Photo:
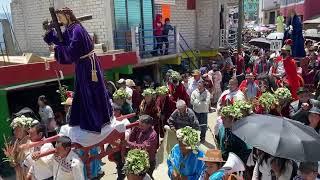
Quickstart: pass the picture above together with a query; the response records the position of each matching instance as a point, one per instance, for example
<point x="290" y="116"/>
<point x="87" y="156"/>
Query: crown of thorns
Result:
<point x="64" y="10"/>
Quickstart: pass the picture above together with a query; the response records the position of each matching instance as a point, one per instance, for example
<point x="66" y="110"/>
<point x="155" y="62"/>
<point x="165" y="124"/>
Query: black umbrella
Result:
<point x="260" y="42"/>
<point x="279" y="137"/>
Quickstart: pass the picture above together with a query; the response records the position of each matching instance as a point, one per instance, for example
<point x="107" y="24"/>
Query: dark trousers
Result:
<point x="120" y="164"/>
<point x="152" y="168"/>
<point x="166" y="42"/>
<point x="203" y="121"/>
<point x="158" y="45"/>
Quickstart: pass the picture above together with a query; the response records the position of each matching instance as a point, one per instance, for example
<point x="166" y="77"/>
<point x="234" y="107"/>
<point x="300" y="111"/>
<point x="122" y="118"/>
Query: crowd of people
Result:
<point x="237" y="84"/>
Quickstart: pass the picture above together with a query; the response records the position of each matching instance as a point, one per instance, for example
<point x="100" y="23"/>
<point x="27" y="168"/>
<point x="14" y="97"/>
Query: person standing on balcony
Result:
<point x="157" y="32"/>
<point x="166" y="28"/>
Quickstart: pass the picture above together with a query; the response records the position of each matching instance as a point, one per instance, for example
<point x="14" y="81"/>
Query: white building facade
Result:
<point x="200" y="26"/>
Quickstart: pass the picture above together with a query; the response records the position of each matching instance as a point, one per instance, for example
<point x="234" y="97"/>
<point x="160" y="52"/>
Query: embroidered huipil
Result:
<point x="68" y="168"/>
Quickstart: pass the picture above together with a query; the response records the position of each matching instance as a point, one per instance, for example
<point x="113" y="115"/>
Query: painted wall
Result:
<point x="311" y="9"/>
<point x="185" y="21"/>
<point x="28" y="16"/>
<point x="251" y="10"/>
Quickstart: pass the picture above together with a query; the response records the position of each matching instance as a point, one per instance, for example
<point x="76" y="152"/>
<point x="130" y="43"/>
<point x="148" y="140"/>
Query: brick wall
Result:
<point x="208" y="22"/>
<point x="199" y="27"/>
<point x="185" y="21"/>
<point x="29" y="15"/>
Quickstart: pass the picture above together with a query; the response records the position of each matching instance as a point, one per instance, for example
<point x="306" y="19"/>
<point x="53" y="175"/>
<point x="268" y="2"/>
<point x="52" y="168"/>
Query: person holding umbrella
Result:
<point x="283" y="169"/>
<point x="299" y="109"/>
<point x="308" y="171"/>
<point x="314" y="118"/>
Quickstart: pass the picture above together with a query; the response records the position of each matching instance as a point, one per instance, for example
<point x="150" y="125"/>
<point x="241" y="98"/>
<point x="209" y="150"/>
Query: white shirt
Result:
<point x="68" y="168"/>
<point x="130" y="92"/>
<point x="125" y="122"/>
<point x="192" y="85"/>
<point x="46" y="113"/>
<point x="235" y="96"/>
<point x="280" y="68"/>
<point x="264" y="169"/>
<point x="200" y="101"/>
<point x="41" y="168"/>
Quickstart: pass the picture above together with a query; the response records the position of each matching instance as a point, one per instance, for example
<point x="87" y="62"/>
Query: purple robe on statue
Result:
<point x="91" y="107"/>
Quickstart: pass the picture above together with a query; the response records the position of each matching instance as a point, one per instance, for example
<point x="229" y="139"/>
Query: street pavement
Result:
<point x="161" y="171"/>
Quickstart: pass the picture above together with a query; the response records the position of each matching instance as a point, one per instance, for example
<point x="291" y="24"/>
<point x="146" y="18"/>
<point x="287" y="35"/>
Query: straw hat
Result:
<point x="121" y="81"/>
<point x="196" y="73"/>
<point x="130" y="83"/>
<point x="68" y="101"/>
<point x="212" y="155"/>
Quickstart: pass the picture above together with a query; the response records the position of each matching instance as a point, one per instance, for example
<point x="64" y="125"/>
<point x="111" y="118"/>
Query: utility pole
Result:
<point x="240" y="24"/>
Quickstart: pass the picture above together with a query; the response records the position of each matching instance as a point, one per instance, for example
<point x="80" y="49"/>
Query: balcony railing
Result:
<point x="228" y="38"/>
<point x="145" y="43"/>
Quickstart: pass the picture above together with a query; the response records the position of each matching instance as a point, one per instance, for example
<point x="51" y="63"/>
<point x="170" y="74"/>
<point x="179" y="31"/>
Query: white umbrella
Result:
<point x="275" y="36"/>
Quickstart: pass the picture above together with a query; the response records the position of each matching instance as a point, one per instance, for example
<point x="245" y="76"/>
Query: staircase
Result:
<point x="189" y="58"/>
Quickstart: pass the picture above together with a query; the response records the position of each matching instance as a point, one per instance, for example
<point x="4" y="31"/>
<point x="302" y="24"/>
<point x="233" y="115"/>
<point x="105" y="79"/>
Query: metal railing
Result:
<point x="145" y="43"/>
<point x="187" y="50"/>
<point x="227" y="38"/>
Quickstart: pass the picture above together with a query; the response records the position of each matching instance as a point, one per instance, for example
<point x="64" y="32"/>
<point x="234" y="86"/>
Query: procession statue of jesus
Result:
<point x="91" y="107"/>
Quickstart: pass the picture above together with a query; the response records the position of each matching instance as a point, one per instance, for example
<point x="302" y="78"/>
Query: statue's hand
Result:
<point x="47" y="25"/>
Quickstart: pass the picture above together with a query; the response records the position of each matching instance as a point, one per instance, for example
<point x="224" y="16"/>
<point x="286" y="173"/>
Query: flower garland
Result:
<point x="238" y="110"/>
<point x="162" y="90"/>
<point x="267" y="101"/>
<point x="22" y="121"/>
<point x="137" y="162"/>
<point x="149" y="92"/>
<point x="243" y="106"/>
<point x="189" y="137"/>
<point x="283" y="95"/>
<point x="231" y="111"/>
<point x="175" y="76"/>
<point x="120" y="94"/>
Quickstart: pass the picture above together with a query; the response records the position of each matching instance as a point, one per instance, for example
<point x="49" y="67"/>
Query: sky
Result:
<point x="5" y="4"/>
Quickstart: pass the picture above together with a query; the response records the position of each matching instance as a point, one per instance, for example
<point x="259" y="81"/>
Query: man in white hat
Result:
<point x="182" y="117"/>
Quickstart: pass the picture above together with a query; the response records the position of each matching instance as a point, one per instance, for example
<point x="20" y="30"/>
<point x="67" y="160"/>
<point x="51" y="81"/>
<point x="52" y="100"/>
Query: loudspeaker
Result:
<point x="234" y="164"/>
